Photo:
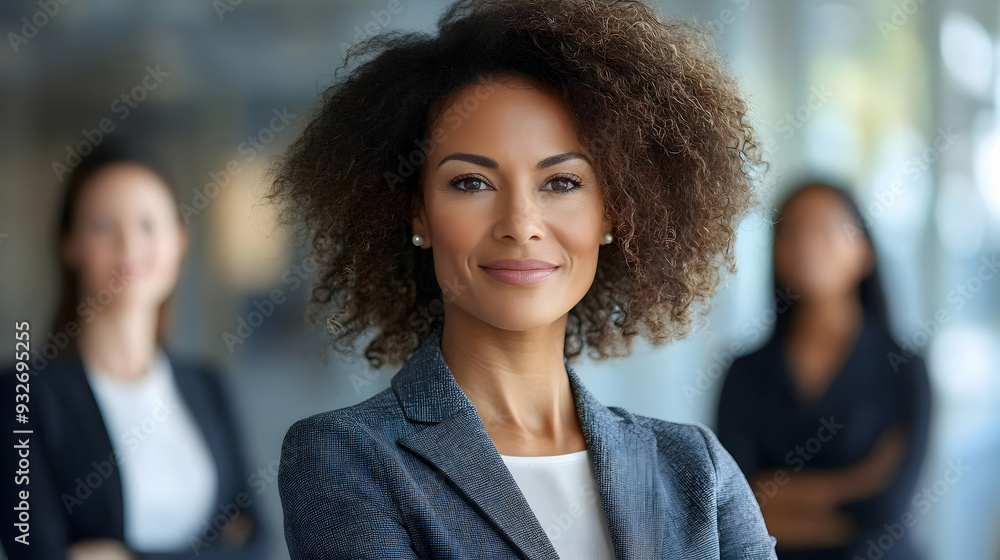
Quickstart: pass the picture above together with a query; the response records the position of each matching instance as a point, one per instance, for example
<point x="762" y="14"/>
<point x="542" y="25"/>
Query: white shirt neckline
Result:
<point x="168" y="473"/>
<point x="547" y="459"/>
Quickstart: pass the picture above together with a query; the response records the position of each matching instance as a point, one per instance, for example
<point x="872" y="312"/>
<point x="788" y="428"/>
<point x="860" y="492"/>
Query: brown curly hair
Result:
<point x="674" y="148"/>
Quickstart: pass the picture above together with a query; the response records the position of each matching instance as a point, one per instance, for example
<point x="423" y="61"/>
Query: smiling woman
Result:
<point x="582" y="169"/>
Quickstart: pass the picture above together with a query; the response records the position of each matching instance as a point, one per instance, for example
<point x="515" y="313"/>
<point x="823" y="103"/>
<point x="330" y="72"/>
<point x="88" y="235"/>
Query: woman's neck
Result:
<point x="120" y="341"/>
<point x="827" y="316"/>
<point x="518" y="383"/>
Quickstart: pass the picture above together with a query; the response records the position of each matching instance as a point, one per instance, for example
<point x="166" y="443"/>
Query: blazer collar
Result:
<point x="622" y="454"/>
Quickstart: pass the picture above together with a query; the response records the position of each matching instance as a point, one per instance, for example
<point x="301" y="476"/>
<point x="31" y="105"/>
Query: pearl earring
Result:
<point x="417" y="240"/>
<point x="608" y="238"/>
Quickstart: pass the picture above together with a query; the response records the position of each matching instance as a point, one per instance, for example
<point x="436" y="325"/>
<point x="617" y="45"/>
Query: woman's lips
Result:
<point x="519" y="277"/>
<point x="519" y="271"/>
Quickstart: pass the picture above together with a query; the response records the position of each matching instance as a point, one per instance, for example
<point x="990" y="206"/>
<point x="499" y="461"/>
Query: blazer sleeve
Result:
<point x="742" y="532"/>
<point x="333" y="495"/>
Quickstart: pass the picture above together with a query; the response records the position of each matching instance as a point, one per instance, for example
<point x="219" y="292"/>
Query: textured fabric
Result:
<point x="412" y="473"/>
<point x="169" y="480"/>
<point x="562" y="492"/>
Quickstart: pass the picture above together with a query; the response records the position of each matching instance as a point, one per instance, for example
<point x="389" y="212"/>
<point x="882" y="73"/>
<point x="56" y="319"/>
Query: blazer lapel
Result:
<point x="623" y="455"/>
<point x="81" y="405"/>
<point x="200" y="404"/>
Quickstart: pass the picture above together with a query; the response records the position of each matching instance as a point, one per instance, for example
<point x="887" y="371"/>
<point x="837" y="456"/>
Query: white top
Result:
<point x="168" y="473"/>
<point x="562" y="492"/>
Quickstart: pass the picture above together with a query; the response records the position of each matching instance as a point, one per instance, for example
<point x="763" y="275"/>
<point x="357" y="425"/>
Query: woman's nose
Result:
<point x="521" y="216"/>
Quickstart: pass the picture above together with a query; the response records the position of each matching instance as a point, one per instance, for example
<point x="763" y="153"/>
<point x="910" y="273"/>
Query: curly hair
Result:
<point x="675" y="153"/>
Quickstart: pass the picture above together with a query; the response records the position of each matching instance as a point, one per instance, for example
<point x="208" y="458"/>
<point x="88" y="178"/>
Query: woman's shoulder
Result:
<point x="685" y="443"/>
<point x="376" y="420"/>
<point x="47" y="379"/>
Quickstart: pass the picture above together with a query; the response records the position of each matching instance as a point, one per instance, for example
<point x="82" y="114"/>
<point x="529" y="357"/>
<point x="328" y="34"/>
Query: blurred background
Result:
<point x="899" y="98"/>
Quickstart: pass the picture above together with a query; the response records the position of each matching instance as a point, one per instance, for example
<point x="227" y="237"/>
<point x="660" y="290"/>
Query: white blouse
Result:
<point x="562" y="492"/>
<point x="168" y="473"/>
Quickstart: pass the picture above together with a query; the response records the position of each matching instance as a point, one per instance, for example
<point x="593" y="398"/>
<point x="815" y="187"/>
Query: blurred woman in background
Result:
<point x="134" y="452"/>
<point x="829" y="419"/>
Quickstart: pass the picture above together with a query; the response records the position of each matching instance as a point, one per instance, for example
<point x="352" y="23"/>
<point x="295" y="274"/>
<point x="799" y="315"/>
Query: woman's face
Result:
<point x="507" y="178"/>
<point x="819" y="250"/>
<point x="126" y="241"/>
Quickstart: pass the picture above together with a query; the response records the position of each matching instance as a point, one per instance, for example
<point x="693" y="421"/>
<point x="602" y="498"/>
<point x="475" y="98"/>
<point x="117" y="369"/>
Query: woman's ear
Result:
<point x="606" y="226"/>
<point x="418" y="222"/>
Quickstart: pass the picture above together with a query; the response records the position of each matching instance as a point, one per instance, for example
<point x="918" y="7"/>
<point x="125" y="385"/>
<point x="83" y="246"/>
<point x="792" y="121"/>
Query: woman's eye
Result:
<point x="472" y="184"/>
<point x="475" y="184"/>
<point x="563" y="184"/>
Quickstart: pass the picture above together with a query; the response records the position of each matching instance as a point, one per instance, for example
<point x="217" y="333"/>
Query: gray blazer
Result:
<point x="412" y="473"/>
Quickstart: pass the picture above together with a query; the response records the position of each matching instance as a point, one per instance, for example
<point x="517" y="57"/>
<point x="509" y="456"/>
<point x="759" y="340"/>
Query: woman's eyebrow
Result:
<point x="488" y="162"/>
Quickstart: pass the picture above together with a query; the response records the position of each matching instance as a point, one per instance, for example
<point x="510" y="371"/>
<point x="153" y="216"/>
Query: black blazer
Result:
<point x="74" y="485"/>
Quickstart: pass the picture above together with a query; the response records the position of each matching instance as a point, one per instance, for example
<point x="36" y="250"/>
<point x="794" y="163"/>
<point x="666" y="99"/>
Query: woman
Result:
<point x="829" y="419"/>
<point x="537" y="177"/>
<point x="134" y="452"/>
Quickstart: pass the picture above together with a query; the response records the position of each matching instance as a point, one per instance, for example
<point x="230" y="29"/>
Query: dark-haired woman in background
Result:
<point x="829" y="419"/>
<point x="134" y="452"/>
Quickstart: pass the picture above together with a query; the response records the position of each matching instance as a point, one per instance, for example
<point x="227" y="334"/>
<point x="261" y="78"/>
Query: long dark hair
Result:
<point x="124" y="149"/>
<point x="870" y="288"/>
